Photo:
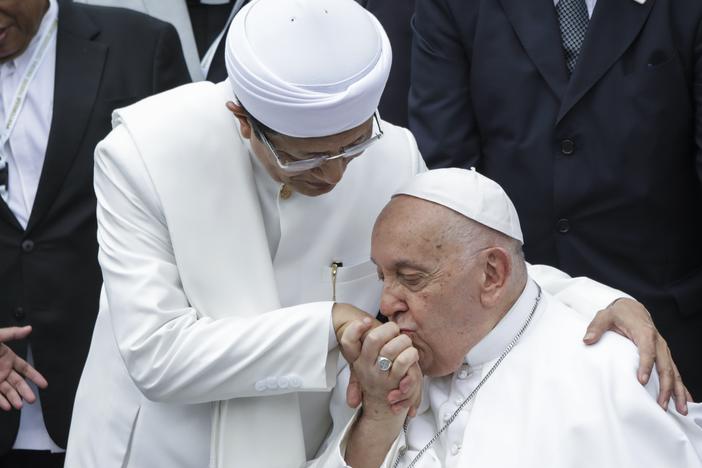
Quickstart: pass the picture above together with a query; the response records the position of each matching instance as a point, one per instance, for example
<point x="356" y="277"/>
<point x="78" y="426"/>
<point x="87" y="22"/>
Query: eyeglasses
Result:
<point x="290" y="164"/>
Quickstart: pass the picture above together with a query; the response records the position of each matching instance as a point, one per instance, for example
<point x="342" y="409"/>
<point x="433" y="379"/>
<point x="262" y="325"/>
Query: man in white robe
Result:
<point x="229" y="243"/>
<point x="507" y="382"/>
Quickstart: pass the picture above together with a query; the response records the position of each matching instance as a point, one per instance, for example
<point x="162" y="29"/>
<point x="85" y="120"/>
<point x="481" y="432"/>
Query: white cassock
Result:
<point x="552" y="402"/>
<point x="219" y="289"/>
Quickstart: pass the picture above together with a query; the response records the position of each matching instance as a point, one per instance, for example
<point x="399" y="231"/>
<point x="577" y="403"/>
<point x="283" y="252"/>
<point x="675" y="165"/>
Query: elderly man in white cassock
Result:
<point x="234" y="223"/>
<point x="508" y="384"/>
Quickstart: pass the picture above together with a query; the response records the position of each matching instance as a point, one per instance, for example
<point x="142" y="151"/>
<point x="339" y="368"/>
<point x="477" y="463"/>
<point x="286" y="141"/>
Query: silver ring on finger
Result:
<point x="384" y="364"/>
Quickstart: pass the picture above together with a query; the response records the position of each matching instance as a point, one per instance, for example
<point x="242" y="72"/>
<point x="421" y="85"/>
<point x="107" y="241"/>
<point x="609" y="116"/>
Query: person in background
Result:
<point x="588" y="114"/>
<point x="64" y="67"/>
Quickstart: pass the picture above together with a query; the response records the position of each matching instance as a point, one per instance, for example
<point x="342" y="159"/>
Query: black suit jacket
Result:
<point x="49" y="275"/>
<point x="395" y="16"/>
<point x="605" y="167"/>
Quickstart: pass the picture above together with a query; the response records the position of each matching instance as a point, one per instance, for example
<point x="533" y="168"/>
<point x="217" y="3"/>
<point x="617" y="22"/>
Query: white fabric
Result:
<point x="25" y="152"/>
<point x="469" y="193"/>
<point x="172" y="339"/>
<point x="551" y="402"/>
<point x="27" y="145"/>
<point x="273" y="56"/>
<point x="591" y="5"/>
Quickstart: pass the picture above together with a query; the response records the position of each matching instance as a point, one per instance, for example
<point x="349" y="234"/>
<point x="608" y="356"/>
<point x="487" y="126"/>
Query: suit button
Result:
<point x="567" y="147"/>
<point x="563" y="226"/>
<point x="19" y="314"/>
<point x="27" y="245"/>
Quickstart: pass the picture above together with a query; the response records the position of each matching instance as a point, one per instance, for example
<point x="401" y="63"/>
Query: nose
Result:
<point x="391" y="304"/>
<point x="332" y="171"/>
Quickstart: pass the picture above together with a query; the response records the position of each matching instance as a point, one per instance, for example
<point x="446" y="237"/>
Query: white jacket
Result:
<point x="195" y="311"/>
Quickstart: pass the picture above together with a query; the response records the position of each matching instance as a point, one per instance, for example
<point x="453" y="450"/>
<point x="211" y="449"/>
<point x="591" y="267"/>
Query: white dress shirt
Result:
<point x="25" y="152"/>
<point x="27" y="144"/>
<point x="590" y="5"/>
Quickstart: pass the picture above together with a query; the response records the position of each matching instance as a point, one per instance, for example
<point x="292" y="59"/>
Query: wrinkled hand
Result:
<point x="13" y="388"/>
<point x="631" y="319"/>
<point x="397" y="390"/>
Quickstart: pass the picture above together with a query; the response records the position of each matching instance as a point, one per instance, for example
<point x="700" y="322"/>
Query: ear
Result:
<point x="241" y="116"/>
<point x="497" y="270"/>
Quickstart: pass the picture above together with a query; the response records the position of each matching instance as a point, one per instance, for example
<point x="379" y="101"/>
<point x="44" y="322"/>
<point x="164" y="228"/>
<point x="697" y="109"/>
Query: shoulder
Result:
<point x="112" y="25"/>
<point x="116" y="17"/>
<point x="559" y="332"/>
<point x="392" y="160"/>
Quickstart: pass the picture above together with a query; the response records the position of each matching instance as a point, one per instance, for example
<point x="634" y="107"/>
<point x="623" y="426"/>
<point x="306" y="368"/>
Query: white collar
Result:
<point x="495" y="342"/>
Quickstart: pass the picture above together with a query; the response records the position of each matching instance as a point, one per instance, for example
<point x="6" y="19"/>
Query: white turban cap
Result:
<point x="308" y="68"/>
<point x="471" y="194"/>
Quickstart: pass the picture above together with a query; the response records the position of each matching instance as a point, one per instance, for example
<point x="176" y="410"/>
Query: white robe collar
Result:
<point x="495" y="342"/>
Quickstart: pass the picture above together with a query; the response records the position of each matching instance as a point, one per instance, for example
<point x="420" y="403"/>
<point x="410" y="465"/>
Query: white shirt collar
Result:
<point x="496" y="341"/>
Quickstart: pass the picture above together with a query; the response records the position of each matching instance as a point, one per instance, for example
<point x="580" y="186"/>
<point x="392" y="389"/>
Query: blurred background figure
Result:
<point x="588" y="114"/>
<point x="63" y="68"/>
<point x="200" y="23"/>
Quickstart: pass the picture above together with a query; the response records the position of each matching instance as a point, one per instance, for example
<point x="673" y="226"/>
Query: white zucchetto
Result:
<point x="308" y="68"/>
<point x="468" y="193"/>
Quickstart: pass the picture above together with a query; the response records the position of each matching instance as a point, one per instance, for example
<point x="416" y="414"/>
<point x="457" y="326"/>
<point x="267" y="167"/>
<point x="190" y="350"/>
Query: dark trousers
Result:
<point x="32" y="459"/>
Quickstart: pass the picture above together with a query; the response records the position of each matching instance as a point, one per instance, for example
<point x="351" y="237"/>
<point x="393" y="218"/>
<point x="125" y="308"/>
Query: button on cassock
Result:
<point x="285" y="192"/>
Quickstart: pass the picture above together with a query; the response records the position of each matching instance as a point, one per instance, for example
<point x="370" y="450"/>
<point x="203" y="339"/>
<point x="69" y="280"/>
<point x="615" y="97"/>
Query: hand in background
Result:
<point x="13" y="371"/>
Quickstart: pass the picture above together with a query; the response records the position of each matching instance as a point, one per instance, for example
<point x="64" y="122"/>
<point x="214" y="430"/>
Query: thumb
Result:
<point x="354" y="394"/>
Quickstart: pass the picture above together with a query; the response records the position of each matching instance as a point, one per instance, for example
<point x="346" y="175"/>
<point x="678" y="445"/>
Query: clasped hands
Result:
<point x="394" y="393"/>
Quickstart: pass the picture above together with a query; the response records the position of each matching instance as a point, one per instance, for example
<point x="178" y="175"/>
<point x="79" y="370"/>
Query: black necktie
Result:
<point x="573" y="19"/>
<point x="4" y="176"/>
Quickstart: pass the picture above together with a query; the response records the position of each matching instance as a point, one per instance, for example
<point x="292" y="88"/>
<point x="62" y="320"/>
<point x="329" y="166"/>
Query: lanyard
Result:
<point x="20" y="97"/>
<point x="209" y="55"/>
<point x="23" y="89"/>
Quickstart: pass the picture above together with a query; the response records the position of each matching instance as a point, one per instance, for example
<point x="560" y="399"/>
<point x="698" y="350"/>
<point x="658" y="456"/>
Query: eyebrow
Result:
<point x="404" y="263"/>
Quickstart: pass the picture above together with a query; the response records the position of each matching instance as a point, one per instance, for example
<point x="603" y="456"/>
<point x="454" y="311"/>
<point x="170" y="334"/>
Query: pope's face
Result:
<point x="429" y="289"/>
<point x="317" y="181"/>
<point x="19" y="22"/>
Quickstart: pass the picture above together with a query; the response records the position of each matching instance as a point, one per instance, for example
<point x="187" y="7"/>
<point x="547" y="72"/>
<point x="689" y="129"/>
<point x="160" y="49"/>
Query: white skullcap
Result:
<point x="308" y="68"/>
<point x="471" y="194"/>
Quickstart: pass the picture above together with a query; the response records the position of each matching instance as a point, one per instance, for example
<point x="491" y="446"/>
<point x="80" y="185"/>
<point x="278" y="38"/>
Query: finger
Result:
<point x="680" y="393"/>
<point x="602" y="322"/>
<point x="354" y="394"/>
<point x="21" y="387"/>
<point x="11" y="395"/>
<point x="664" y="365"/>
<point x="14" y="333"/>
<point x="376" y="339"/>
<point x="24" y="369"/>
<point x="648" y="354"/>
<point x="395" y="346"/>
<point x="351" y="338"/>
<point x="4" y="404"/>
<point x="402" y="364"/>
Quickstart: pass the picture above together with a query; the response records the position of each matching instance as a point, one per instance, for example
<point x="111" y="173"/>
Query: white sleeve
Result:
<point x="172" y="352"/>
<point x="335" y="448"/>
<point x="582" y="294"/>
